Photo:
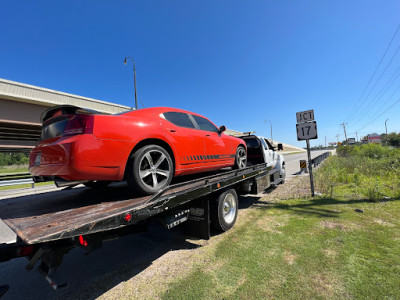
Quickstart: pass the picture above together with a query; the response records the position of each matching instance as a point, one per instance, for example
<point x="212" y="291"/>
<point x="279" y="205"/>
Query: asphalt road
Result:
<point x="293" y="161"/>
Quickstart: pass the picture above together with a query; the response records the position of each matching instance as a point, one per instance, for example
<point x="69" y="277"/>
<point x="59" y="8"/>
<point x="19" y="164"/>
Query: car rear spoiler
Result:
<point x="66" y="109"/>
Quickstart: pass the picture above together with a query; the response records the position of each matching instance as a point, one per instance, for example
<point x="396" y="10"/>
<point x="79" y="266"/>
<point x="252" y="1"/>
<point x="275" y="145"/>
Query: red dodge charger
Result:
<point x="146" y="147"/>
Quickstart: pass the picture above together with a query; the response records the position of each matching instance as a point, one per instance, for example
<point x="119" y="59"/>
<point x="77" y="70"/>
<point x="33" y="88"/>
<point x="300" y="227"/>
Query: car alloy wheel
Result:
<point x="152" y="169"/>
<point x="240" y="158"/>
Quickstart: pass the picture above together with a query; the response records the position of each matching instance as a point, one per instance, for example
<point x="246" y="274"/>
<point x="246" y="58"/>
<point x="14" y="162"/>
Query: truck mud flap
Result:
<point x="198" y="223"/>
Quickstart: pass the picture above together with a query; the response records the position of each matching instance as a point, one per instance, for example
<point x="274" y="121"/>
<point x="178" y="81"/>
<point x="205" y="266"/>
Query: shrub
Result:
<point x="372" y="170"/>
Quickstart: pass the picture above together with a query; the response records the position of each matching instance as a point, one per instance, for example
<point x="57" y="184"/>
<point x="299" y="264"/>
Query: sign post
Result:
<point x="307" y="130"/>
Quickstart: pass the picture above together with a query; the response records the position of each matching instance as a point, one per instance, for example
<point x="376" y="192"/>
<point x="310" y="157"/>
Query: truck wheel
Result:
<point x="97" y="184"/>
<point x="283" y="175"/>
<point x="152" y="170"/>
<point x="224" y="211"/>
<point x="240" y="158"/>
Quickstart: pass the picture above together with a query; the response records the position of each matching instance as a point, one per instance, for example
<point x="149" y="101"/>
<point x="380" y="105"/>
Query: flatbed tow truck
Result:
<point x="44" y="229"/>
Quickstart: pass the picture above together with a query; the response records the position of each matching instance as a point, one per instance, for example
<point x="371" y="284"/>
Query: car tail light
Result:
<point x="79" y="124"/>
<point x="82" y="241"/>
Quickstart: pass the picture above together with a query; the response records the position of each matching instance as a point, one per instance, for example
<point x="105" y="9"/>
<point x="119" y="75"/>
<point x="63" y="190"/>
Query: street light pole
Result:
<point x="272" y="141"/>
<point x="134" y="76"/>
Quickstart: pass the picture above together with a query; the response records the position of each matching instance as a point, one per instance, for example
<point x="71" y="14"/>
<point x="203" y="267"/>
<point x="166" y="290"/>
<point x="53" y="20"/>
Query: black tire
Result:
<point x="97" y="184"/>
<point x="147" y="177"/>
<point x="240" y="158"/>
<point x="283" y="177"/>
<point x="224" y="210"/>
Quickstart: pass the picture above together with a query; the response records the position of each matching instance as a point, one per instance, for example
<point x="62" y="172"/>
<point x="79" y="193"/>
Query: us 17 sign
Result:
<point x="307" y="131"/>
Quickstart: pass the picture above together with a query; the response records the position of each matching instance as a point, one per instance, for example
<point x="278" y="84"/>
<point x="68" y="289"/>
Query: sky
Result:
<point x="239" y="63"/>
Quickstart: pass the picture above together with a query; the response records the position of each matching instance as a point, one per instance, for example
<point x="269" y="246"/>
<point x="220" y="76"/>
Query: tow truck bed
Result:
<point x="68" y="213"/>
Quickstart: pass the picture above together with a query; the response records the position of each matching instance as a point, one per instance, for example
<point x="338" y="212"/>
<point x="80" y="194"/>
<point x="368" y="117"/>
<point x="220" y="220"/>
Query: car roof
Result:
<point x="158" y="110"/>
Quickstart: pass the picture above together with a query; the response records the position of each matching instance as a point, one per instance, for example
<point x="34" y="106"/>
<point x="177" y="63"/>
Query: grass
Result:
<point x="369" y="171"/>
<point x="25" y="186"/>
<point x="16" y="169"/>
<point x="19" y="169"/>
<point x="300" y="249"/>
<point x="311" y="248"/>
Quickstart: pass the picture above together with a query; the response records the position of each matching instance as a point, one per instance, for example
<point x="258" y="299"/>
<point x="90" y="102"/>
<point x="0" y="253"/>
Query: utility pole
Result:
<point x="344" y="128"/>
<point x="386" y="126"/>
<point x="325" y="141"/>
<point x="386" y="137"/>
<point x="337" y="138"/>
<point x="357" y="136"/>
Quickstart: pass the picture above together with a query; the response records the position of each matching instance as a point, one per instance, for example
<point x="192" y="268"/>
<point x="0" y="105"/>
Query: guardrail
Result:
<point x="16" y="179"/>
<point x="317" y="160"/>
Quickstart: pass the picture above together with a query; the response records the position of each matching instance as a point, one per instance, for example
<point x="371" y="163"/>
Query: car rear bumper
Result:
<point x="81" y="157"/>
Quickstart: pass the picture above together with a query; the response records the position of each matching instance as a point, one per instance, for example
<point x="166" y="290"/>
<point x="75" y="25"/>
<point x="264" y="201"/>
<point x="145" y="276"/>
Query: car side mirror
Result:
<point x="221" y="129"/>
<point x="280" y="147"/>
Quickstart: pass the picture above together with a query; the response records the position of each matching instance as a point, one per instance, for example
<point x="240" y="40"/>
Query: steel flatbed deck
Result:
<point x="68" y="213"/>
<point x="47" y="226"/>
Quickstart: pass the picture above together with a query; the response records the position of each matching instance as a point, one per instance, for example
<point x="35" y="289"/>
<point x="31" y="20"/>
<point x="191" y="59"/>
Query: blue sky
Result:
<point x="236" y="62"/>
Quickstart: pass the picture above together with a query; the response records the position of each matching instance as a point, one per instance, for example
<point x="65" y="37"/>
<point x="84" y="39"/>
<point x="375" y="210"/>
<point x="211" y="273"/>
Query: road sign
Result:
<point x="303" y="165"/>
<point x="374" y="138"/>
<point x="305" y="116"/>
<point x="307" y="131"/>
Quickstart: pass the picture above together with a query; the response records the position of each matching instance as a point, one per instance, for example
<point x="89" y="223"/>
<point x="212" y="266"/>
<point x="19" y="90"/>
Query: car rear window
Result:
<point x="179" y="119"/>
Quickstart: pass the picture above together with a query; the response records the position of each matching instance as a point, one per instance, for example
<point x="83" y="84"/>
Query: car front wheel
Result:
<point x="152" y="170"/>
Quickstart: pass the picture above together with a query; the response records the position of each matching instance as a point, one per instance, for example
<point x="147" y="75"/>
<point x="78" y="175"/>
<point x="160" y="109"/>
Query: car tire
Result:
<point x="240" y="158"/>
<point x="96" y="184"/>
<point x="151" y="171"/>
<point x="224" y="210"/>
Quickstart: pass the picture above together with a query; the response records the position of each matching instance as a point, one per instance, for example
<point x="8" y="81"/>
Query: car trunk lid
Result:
<point x="66" y="120"/>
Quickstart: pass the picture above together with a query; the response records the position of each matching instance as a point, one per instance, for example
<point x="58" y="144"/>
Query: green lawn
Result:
<point x="313" y="248"/>
<point x="299" y="249"/>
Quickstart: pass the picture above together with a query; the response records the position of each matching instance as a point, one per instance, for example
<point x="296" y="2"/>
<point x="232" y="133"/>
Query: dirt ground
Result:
<point x="153" y="281"/>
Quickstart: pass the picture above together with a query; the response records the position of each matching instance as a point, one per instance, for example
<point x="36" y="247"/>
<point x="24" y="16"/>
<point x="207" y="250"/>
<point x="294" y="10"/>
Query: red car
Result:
<point x="146" y="147"/>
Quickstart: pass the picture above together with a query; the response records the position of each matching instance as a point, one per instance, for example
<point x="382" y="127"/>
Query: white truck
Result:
<point x="260" y="150"/>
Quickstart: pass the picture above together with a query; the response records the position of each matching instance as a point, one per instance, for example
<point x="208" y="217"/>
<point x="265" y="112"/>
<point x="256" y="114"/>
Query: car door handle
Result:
<point x="171" y="130"/>
<point x="207" y="134"/>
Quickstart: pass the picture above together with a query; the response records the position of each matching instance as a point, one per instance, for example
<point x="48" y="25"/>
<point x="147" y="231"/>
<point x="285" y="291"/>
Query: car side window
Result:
<point x="204" y="124"/>
<point x="179" y="119"/>
<point x="264" y="144"/>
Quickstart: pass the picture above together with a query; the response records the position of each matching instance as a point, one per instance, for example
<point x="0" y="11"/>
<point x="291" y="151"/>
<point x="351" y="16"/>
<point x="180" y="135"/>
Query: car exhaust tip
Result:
<point x="67" y="183"/>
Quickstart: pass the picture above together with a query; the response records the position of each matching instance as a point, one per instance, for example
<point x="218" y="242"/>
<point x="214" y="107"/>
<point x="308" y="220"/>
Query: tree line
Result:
<point x="9" y="159"/>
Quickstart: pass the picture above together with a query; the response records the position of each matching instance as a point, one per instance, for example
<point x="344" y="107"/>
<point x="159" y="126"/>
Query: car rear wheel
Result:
<point x="152" y="170"/>
<point x="240" y="158"/>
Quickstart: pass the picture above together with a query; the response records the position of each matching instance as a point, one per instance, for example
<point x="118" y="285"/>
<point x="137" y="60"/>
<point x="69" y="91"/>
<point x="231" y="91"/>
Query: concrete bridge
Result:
<point x="20" y="108"/>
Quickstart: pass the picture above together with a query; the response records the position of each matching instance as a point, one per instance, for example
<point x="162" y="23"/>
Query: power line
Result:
<point x="398" y="100"/>
<point x="373" y="74"/>
<point x="378" y="80"/>
<point x="383" y="105"/>
<point x="382" y="91"/>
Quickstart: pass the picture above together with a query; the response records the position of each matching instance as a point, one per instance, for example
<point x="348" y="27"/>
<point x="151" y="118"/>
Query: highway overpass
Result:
<point x="20" y="108"/>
